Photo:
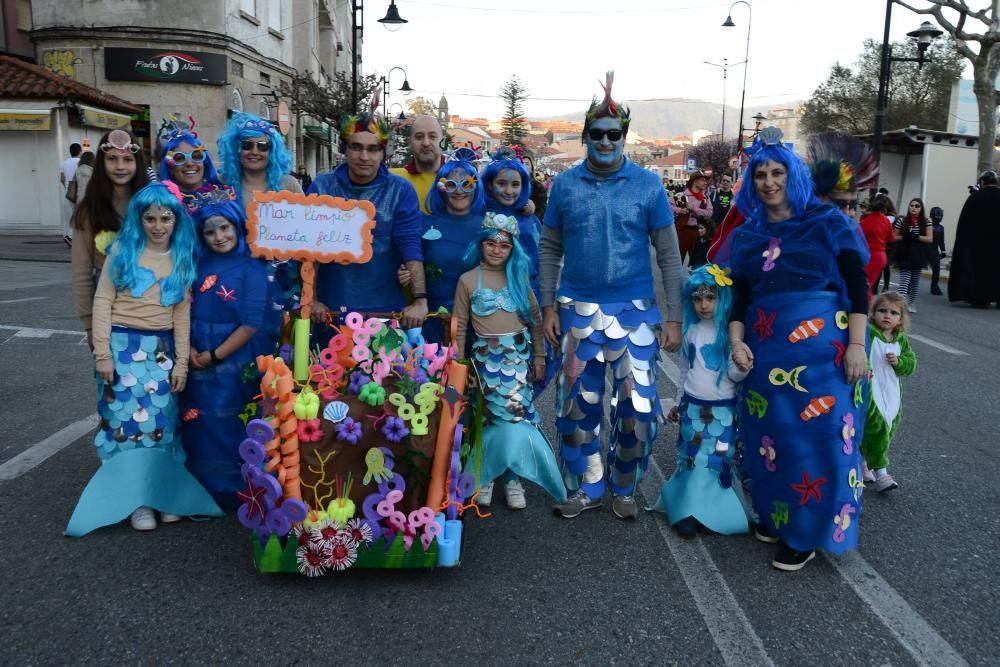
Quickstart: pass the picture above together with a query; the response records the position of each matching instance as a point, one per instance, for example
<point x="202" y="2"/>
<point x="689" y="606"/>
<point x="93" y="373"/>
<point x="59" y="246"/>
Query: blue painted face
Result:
<point x="604" y="152"/>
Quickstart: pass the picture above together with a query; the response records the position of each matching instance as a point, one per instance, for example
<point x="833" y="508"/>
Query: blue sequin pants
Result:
<point x="622" y="335"/>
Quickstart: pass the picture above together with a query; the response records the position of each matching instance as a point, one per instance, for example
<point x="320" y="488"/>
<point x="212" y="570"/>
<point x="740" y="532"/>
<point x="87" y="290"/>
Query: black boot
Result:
<point x="935" y="290"/>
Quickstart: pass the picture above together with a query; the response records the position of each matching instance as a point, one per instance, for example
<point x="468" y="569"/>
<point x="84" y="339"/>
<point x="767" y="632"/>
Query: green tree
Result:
<point x="328" y="101"/>
<point x="514" y="125"/>
<point x="917" y="96"/>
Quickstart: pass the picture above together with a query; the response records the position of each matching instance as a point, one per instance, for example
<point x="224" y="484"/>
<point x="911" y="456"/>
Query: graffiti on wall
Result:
<point x="62" y="62"/>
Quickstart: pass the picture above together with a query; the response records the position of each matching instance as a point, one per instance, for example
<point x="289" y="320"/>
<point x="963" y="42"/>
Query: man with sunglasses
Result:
<point x="601" y="218"/>
<point x="372" y="287"/>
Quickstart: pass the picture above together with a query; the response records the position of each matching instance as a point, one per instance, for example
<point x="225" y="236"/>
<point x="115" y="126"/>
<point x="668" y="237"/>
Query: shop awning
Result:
<point x="36" y="119"/>
<point x="318" y="133"/>
<point x="107" y="120"/>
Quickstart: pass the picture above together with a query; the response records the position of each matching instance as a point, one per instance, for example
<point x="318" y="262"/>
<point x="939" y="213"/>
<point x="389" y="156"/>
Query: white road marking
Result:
<point x="40" y="451"/>
<point x="725" y="619"/>
<point x="908" y="627"/>
<point x="32" y="332"/>
<point x="933" y="343"/>
<point x="28" y="298"/>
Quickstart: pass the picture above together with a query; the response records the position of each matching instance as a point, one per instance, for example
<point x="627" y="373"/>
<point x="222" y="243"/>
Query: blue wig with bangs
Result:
<point x="248" y="126"/>
<point x="518" y="265"/>
<point x="126" y="274"/>
<point x="173" y="135"/>
<point x="767" y="147"/>
<point x="437" y="201"/>
<point x="716" y="354"/>
<point x="506" y="160"/>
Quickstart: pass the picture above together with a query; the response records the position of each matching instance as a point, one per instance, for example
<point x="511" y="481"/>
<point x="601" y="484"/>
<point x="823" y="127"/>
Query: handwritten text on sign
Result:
<point x="287" y="225"/>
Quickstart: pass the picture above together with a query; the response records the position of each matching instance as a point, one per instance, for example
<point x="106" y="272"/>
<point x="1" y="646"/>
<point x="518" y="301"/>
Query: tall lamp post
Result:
<point x="728" y="23"/>
<point x="405" y="88"/>
<point x="924" y="35"/>
<point x="392" y="21"/>
<point x="725" y="68"/>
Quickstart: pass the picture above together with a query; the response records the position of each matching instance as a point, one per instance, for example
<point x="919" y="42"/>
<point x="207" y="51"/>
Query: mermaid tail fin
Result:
<point x="524" y="450"/>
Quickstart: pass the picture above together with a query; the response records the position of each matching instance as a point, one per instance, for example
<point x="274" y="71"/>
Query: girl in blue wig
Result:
<point x="799" y="328"/>
<point x="184" y="159"/>
<point x="141" y="346"/>
<point x="227" y="317"/>
<point x="704" y="492"/>
<point x="253" y="158"/>
<point x="507" y="184"/>
<point x="507" y="349"/>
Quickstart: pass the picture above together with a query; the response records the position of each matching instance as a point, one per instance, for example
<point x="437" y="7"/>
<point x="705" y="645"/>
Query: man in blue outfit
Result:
<point x="372" y="287"/>
<point x="601" y="218"/>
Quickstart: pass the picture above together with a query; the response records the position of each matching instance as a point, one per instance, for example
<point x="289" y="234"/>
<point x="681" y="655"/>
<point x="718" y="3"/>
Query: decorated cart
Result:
<point x="358" y="455"/>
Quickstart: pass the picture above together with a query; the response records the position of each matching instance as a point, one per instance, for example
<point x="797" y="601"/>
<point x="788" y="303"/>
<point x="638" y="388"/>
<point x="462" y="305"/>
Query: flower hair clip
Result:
<point x="721" y="275"/>
<point x="121" y="140"/>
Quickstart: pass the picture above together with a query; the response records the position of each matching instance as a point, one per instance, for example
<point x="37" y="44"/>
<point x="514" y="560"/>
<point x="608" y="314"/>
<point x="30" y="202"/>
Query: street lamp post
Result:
<point x="924" y="35"/>
<point x="728" y="23"/>
<point x="392" y="21"/>
<point x="725" y="68"/>
<point x="405" y="88"/>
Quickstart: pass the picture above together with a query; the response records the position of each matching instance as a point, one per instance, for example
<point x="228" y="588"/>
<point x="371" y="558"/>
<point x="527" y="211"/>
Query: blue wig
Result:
<point x="221" y="202"/>
<point x="174" y="139"/>
<point x="493" y="169"/>
<point x="798" y="186"/>
<point x="248" y="126"/>
<point x="131" y="242"/>
<point x="437" y="201"/>
<point x="716" y="355"/>
<point x="518" y="270"/>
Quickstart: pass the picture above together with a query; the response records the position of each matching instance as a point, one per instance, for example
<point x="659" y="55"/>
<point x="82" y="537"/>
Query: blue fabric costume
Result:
<point x="221" y="392"/>
<point x="372" y="287"/>
<point x="608" y="314"/>
<point x="529" y="227"/>
<point x="801" y="422"/>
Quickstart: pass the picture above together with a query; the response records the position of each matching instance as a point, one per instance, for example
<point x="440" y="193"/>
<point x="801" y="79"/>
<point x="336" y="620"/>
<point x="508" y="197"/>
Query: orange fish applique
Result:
<point x="191" y="415"/>
<point x="209" y="283"/>
<point x="806" y="329"/>
<point x="818" y="406"/>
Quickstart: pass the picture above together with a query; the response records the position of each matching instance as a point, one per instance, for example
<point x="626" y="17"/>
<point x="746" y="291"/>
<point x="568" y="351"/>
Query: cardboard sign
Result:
<point x="287" y="225"/>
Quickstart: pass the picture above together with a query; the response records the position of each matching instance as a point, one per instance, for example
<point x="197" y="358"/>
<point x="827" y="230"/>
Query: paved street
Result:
<point x="532" y="588"/>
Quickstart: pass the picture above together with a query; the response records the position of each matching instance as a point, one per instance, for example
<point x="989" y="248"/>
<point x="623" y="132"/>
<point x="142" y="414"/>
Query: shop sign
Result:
<point x="164" y="65"/>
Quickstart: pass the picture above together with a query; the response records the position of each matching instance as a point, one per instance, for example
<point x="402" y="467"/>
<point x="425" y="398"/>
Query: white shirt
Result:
<point x="68" y="168"/>
<point x="697" y="379"/>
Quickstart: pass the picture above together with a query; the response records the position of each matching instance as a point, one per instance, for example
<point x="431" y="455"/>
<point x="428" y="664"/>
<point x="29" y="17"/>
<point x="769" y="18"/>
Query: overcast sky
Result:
<point x="467" y="49"/>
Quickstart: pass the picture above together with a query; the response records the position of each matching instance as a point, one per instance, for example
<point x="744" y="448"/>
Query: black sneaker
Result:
<point x="687" y="527"/>
<point x="790" y="560"/>
<point x="763" y="534"/>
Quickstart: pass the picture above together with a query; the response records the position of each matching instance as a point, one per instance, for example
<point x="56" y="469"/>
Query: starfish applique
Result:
<point x="838" y="360"/>
<point x="809" y="488"/>
<point x="253" y="496"/>
<point x="226" y="294"/>
<point x="763" y="327"/>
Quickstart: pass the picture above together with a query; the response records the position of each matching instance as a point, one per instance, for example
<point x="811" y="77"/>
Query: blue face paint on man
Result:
<point x="604" y="153"/>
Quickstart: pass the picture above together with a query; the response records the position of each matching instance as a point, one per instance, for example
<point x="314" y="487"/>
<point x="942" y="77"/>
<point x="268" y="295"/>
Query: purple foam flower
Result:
<point x="358" y="380"/>
<point x="395" y="429"/>
<point x="348" y="431"/>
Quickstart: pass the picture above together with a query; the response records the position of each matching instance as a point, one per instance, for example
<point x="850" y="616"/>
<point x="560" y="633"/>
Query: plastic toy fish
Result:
<point x="772" y="254"/>
<point x="779" y="377"/>
<point x="806" y="329"/>
<point x="818" y="406"/>
<point x="209" y="283"/>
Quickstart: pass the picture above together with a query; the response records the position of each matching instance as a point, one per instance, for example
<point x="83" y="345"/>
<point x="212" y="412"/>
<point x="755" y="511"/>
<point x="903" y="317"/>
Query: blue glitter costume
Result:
<point x="372" y="287"/>
<point x="607" y="314"/>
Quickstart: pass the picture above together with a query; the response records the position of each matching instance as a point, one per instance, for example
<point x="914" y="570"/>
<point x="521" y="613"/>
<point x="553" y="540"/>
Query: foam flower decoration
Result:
<point x="358" y="380"/>
<point x="721" y="275"/>
<point x="342" y="554"/>
<point x="312" y="558"/>
<point x="348" y="431"/>
<point x="309" y="430"/>
<point x="372" y="394"/>
<point x="103" y="240"/>
<point x="360" y="530"/>
<point x="394" y="429"/>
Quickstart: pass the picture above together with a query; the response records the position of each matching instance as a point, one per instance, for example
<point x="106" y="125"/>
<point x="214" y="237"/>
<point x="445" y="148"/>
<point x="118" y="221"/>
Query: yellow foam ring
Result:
<point x="406" y="411"/>
<point x="397" y="399"/>
<point x="427" y="409"/>
<point x="423" y="398"/>
<point x="430" y="387"/>
<point x="420" y="422"/>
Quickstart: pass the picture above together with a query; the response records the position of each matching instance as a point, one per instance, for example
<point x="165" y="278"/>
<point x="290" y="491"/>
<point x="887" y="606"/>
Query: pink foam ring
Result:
<point x="398" y="520"/>
<point x="354" y="320"/>
<point x="407" y="541"/>
<point x="385" y="508"/>
<point x="369" y="507"/>
<point x="252" y="452"/>
<point x="327" y="357"/>
<point x="278" y="522"/>
<point x="295" y="509"/>
<point x="272" y="488"/>
<point x="372" y="326"/>
<point x="338" y="343"/>
<point x="396" y="483"/>
<point x="433" y="529"/>
<point x="361" y="337"/>
<point x="359" y="353"/>
<point x="260" y="430"/>
<point x="426" y="540"/>
<point x="421" y="517"/>
<point x="243" y="514"/>
<point x="394" y="496"/>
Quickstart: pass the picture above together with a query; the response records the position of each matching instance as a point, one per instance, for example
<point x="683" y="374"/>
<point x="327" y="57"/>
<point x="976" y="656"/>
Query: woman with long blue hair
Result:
<point x="141" y="335"/>
<point x="799" y="327"/>
<point x="253" y="158"/>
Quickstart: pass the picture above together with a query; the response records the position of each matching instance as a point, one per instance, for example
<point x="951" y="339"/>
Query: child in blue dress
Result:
<point x="228" y="307"/>
<point x="507" y="185"/>
<point x="705" y="492"/>
<point x="141" y="341"/>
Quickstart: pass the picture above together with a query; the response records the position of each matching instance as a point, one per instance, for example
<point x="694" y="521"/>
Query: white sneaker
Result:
<point x="167" y="517"/>
<point x="911" y="309"/>
<point x="485" y="495"/>
<point x="515" y="494"/>
<point x="143" y="519"/>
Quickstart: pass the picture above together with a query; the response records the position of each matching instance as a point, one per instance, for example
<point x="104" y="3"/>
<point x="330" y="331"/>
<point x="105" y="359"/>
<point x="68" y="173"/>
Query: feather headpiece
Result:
<point x="841" y="163"/>
<point x="173" y="128"/>
<point x="608" y="108"/>
<point x="366" y="122"/>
